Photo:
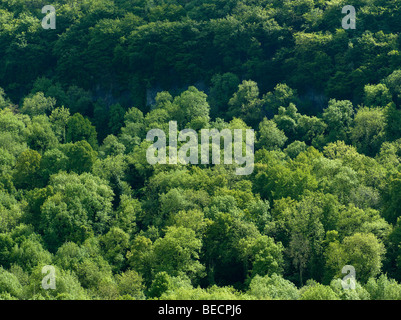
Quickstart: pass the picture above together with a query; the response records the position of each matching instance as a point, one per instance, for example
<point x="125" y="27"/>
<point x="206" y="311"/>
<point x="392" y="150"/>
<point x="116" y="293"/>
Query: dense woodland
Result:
<point x="76" y="190"/>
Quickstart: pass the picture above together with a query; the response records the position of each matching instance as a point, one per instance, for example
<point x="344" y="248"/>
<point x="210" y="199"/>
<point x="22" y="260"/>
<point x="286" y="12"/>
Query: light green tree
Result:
<point x="38" y="104"/>
<point x="363" y="251"/>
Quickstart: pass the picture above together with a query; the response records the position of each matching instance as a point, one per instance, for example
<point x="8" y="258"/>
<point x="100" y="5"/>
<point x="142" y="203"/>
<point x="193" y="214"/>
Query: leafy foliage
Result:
<point x="77" y="192"/>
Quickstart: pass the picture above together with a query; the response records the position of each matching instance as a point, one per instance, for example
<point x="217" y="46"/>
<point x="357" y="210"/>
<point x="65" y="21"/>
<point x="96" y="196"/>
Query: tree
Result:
<point x="338" y="117"/>
<point x="3" y="100"/>
<point x="134" y="130"/>
<point x="50" y="89"/>
<point x="86" y="262"/>
<point x="272" y="287"/>
<point x="368" y="130"/>
<point x="271" y="180"/>
<point x="190" y="105"/>
<point x="392" y="82"/>
<point x="10" y="212"/>
<point x="282" y="96"/>
<point x="116" y="118"/>
<point x="59" y="120"/>
<point x="295" y="148"/>
<point x="300" y="226"/>
<point x="114" y="245"/>
<point x="383" y="288"/>
<point x="81" y="156"/>
<point x="140" y="256"/>
<point x="390" y="198"/>
<point x="357" y="293"/>
<point x="300" y="253"/>
<point x="310" y="130"/>
<point x="270" y="137"/>
<point x="182" y="292"/>
<point x="53" y="161"/>
<point x="30" y="253"/>
<point x="40" y="135"/>
<point x="80" y="206"/>
<point x="377" y="95"/>
<point x="287" y="120"/>
<point x="13" y="131"/>
<point x="176" y="200"/>
<point x="192" y="219"/>
<point x="161" y="283"/>
<point x="130" y="283"/>
<point x="223" y="88"/>
<point x="111" y="147"/>
<point x="9" y="283"/>
<point x="261" y="255"/>
<point x="393" y="120"/>
<point x="182" y="244"/>
<point x="68" y="286"/>
<point x="26" y="174"/>
<point x="318" y="292"/>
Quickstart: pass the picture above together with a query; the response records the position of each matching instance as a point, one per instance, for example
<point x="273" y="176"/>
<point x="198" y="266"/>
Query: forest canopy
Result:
<point x="77" y="192"/>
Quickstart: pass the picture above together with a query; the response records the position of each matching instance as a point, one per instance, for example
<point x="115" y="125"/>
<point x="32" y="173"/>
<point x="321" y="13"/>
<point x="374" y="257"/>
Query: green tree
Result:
<point x="116" y="118"/>
<point x="273" y="287"/>
<point x="318" y="292"/>
<point x="368" y="131"/>
<point x="181" y="243"/>
<point x="9" y="283"/>
<point x="261" y="255"/>
<point x="38" y="104"/>
<point x="390" y="198"/>
<point x="393" y="120"/>
<point x="10" y="212"/>
<point x="40" y="135"/>
<point x="270" y="137"/>
<point x="359" y="293"/>
<point x="68" y="286"/>
<point x="59" y="119"/>
<point x="81" y="156"/>
<point x="114" y="245"/>
<point x="295" y="148"/>
<point x="377" y="95"/>
<point x="111" y="147"/>
<point x="53" y="161"/>
<point x="80" y="128"/>
<point x="3" y="100"/>
<point x="222" y="89"/>
<point x="338" y="117"/>
<point x="363" y="251"/>
<point x="392" y="82"/>
<point x="282" y="96"/>
<point x="30" y="253"/>
<point x="134" y="130"/>
<point x="26" y="174"/>
<point x="140" y="256"/>
<point x="246" y="104"/>
<point x="130" y="283"/>
<point x="383" y="288"/>
<point x="190" y="105"/>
